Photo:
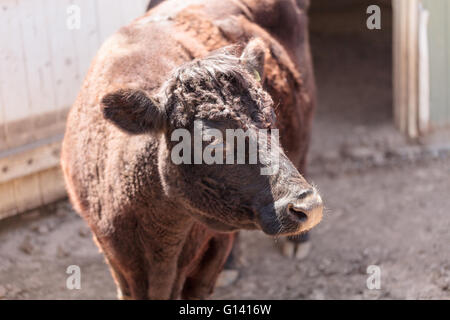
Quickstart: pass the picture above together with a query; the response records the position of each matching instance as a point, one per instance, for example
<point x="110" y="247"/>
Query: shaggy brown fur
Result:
<point x="165" y="229"/>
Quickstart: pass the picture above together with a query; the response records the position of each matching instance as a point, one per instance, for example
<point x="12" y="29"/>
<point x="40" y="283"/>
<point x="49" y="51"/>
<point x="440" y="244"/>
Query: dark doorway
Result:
<point x="353" y="67"/>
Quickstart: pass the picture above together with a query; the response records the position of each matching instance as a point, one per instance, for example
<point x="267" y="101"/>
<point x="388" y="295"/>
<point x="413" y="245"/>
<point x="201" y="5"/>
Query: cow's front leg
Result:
<point x="161" y="280"/>
<point x="126" y="266"/>
<point x="162" y="269"/>
<point x="230" y="272"/>
<point x="140" y="272"/>
<point x="200" y="284"/>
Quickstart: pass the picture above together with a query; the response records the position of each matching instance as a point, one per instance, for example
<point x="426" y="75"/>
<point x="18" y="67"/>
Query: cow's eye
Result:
<point x="256" y="116"/>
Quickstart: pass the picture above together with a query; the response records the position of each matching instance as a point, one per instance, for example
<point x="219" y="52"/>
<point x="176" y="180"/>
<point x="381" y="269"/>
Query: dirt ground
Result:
<point x="387" y="200"/>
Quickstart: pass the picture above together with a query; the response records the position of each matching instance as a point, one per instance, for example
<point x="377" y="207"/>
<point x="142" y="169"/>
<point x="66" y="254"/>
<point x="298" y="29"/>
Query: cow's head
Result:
<point x="212" y="95"/>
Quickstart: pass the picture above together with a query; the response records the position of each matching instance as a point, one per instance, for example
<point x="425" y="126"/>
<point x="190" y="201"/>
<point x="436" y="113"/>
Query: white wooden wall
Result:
<point x="42" y="65"/>
<point x="42" y="61"/>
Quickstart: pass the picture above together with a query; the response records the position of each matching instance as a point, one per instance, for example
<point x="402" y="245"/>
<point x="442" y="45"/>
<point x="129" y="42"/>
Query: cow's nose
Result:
<point x="307" y="208"/>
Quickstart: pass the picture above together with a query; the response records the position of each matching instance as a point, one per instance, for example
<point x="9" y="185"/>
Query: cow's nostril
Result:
<point x="297" y="214"/>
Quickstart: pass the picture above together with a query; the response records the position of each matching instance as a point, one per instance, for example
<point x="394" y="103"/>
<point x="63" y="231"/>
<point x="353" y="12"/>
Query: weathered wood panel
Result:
<point x="43" y="61"/>
<point x="406" y="65"/>
<point x="424" y="71"/>
<point x="42" y="64"/>
<point x="13" y="76"/>
<point x="413" y="75"/>
<point x="30" y="159"/>
<point x="37" y="62"/>
<point x="439" y="44"/>
<point x="421" y="70"/>
<point x="31" y="191"/>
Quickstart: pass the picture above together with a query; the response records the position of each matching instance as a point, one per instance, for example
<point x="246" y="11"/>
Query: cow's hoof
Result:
<point x="227" y="277"/>
<point x="303" y="250"/>
<point x="295" y="250"/>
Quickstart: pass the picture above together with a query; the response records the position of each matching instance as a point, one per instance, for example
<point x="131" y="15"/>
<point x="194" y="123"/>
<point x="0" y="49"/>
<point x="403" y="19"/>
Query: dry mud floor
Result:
<point x="396" y="218"/>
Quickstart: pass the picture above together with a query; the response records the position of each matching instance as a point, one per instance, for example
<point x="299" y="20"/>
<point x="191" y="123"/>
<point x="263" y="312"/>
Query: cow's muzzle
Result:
<point x="306" y="210"/>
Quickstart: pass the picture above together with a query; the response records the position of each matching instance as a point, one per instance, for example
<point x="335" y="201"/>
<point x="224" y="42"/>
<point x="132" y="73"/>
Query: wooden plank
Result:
<point x="64" y="57"/>
<point x="27" y="193"/>
<point x="29" y="159"/>
<point x="52" y="185"/>
<point x="8" y="205"/>
<point x="42" y="129"/>
<point x="37" y="59"/>
<point x="109" y="17"/>
<point x="87" y="38"/>
<point x="447" y="65"/>
<point x="43" y="63"/>
<point x="3" y="141"/>
<point x="31" y="100"/>
<point x="395" y="61"/>
<point x="13" y="76"/>
<point x="32" y="191"/>
<point x="132" y="10"/>
<point x="412" y="68"/>
<point x="113" y="14"/>
<point x="424" y="74"/>
<point x="406" y="66"/>
<point x="398" y="62"/>
<point x="402" y="67"/>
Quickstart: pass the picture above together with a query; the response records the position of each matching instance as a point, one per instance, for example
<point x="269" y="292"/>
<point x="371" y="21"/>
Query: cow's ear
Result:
<point x="133" y="111"/>
<point x="253" y="57"/>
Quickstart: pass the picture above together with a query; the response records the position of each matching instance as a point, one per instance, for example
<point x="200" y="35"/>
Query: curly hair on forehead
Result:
<point x="218" y="87"/>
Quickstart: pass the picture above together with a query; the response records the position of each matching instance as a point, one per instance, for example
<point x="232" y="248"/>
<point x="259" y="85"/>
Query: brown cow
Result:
<point x="166" y="229"/>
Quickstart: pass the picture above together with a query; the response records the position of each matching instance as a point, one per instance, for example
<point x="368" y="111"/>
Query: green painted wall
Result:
<point x="439" y="50"/>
